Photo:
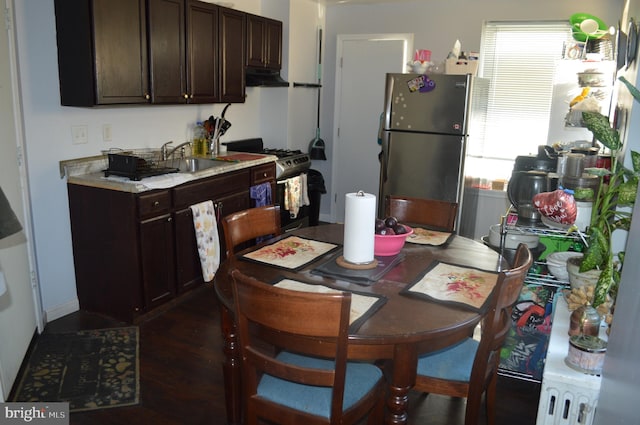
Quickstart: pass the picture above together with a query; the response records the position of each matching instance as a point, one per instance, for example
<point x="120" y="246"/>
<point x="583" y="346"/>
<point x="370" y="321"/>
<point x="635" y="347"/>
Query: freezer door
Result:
<point x="435" y="103"/>
<point x="421" y="165"/>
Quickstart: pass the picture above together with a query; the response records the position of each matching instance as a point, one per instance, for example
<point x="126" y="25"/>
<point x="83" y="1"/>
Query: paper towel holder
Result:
<point x="343" y="262"/>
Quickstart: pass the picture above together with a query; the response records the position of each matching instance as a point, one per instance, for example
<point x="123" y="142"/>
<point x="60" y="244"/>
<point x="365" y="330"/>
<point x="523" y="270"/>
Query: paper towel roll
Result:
<point x="359" y="227"/>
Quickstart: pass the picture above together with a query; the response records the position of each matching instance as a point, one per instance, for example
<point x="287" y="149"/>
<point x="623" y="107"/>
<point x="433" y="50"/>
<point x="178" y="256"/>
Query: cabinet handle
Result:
<point x="186" y="96"/>
<point x="169" y="219"/>
<point x="264" y="175"/>
<point x="146" y="96"/>
<point x="156" y="203"/>
<point x="191" y="96"/>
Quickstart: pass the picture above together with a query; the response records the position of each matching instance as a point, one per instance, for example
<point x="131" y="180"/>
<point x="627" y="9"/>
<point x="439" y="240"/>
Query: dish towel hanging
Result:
<point x="261" y="193"/>
<point x="295" y="194"/>
<point x="206" y="228"/>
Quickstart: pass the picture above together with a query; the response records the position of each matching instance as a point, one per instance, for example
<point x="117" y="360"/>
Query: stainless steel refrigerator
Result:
<point x="426" y="127"/>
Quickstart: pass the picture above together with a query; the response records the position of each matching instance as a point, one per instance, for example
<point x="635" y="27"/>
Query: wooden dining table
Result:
<point x="403" y="328"/>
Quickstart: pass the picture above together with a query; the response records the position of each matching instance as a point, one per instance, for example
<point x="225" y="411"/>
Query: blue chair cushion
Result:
<point x="451" y="363"/>
<point x="360" y="379"/>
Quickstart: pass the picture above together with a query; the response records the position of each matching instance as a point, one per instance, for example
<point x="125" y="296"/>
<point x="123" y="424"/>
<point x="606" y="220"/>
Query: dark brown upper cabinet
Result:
<point x="102" y="52"/>
<point x="183" y="44"/>
<point x="149" y="51"/>
<point x="231" y="52"/>
<point x="264" y="42"/>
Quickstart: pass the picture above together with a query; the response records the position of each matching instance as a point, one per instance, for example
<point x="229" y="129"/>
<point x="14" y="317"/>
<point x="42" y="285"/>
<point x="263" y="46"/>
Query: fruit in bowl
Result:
<point x="390" y="236"/>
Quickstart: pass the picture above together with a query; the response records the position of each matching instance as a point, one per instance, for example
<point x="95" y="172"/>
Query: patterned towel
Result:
<point x="206" y="228"/>
<point x="295" y="194"/>
<point x="261" y="193"/>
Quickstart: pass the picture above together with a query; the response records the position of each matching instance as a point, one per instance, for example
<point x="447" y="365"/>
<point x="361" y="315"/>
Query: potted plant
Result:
<point x="606" y="217"/>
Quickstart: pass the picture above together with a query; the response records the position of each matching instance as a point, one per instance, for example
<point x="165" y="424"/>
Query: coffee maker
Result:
<point x="530" y="176"/>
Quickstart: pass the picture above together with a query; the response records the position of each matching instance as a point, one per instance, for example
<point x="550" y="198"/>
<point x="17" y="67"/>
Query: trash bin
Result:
<point x="315" y="189"/>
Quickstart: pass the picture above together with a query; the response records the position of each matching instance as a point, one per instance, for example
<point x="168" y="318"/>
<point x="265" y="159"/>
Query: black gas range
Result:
<point x="290" y="163"/>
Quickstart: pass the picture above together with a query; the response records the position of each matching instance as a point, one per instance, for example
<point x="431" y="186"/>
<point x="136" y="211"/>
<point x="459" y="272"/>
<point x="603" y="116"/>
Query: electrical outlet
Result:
<point x="106" y="132"/>
<point x="79" y="134"/>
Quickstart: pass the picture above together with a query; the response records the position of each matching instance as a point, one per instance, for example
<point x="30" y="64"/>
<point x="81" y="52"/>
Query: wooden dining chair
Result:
<point x="438" y="215"/>
<point x="293" y="347"/>
<point x="470" y="368"/>
<point x="249" y="224"/>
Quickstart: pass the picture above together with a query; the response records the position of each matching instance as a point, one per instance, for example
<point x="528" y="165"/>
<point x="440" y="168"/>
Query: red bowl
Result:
<point x="387" y="245"/>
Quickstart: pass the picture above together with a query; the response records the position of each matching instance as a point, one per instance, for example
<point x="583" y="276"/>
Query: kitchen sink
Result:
<point x="193" y="164"/>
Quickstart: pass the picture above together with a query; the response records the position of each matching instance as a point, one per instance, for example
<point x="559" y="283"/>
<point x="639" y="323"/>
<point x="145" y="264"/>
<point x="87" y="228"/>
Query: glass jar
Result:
<point x="585" y="320"/>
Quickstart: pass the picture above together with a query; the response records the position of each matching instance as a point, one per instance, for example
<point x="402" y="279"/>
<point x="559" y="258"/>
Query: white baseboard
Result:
<point x="61" y="310"/>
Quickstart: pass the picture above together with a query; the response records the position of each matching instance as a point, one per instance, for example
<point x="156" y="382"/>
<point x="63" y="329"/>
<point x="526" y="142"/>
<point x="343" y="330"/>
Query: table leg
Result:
<point x="231" y="368"/>
<point x="402" y="379"/>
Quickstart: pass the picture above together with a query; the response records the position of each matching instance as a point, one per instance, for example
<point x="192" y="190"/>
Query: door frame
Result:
<point x="22" y="163"/>
<point x="407" y="38"/>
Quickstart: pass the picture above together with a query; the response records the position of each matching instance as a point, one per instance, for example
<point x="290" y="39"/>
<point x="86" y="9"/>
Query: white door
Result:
<point x="359" y="98"/>
<point x="19" y="304"/>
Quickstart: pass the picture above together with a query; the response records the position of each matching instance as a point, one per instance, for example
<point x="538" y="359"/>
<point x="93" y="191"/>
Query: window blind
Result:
<point x="519" y="58"/>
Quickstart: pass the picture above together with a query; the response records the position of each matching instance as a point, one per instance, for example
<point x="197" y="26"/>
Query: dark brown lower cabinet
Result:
<point x="135" y="252"/>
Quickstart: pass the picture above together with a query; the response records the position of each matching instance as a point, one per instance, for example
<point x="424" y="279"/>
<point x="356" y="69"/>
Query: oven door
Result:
<point x="288" y="220"/>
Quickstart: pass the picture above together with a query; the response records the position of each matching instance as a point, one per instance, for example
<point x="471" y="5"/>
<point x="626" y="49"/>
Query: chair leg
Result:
<point x="490" y="396"/>
<point x="376" y="416"/>
<point x="473" y="410"/>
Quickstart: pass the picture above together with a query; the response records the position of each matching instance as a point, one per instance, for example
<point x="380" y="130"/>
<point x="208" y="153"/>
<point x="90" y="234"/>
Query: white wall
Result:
<point x="436" y="26"/>
<point x="48" y="132"/>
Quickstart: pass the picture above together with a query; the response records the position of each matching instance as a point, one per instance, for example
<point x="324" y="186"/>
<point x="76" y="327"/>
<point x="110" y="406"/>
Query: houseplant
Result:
<point x="607" y="216"/>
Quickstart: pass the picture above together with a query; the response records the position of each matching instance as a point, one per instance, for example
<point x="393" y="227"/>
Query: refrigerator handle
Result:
<point x="384" y="156"/>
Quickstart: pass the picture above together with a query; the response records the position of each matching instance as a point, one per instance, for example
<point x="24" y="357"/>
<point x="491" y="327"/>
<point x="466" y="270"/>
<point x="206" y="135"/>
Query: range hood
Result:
<point x="256" y="77"/>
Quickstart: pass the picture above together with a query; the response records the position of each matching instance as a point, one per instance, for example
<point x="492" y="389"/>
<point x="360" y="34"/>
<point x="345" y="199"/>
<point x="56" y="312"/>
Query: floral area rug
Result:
<point x="92" y="369"/>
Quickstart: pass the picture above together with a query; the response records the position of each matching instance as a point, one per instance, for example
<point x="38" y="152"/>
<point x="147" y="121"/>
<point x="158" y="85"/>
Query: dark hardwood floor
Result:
<point x="181" y="375"/>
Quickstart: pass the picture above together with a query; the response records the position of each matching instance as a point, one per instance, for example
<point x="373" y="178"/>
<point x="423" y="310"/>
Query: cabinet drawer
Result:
<point x="154" y="203"/>
<point x="210" y="189"/>
<point x="263" y="173"/>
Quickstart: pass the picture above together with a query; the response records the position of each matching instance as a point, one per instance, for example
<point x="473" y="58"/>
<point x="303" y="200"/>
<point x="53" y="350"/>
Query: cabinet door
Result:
<point x="231" y="55"/>
<point x="102" y="52"/>
<point x="202" y="46"/>
<point x="157" y="258"/>
<point x="188" y="269"/>
<point x="264" y="43"/>
<point x="256" y="27"/>
<point x="167" y="57"/>
<point x="273" y="44"/>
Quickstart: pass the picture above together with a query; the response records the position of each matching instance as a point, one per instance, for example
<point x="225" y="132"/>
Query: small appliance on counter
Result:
<point x="135" y="167"/>
<point x="529" y="177"/>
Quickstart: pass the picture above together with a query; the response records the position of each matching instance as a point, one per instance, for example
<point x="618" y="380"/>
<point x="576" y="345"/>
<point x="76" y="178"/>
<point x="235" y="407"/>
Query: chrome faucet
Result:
<point x="167" y="151"/>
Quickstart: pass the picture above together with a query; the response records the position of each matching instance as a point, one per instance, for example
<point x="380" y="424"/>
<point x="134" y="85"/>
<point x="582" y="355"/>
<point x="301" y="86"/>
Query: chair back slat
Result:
<point x="438" y="215"/>
<point x="247" y="225"/>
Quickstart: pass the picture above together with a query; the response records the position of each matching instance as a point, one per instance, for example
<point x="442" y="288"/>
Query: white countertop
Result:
<point x="90" y="172"/>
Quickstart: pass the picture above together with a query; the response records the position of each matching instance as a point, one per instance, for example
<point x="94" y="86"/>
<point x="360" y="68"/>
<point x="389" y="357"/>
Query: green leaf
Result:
<point x="623" y="223"/>
<point x="599" y="125"/>
<point x="605" y="281"/>
<point x="627" y="192"/>
<point x="632" y="89"/>
<point x="635" y="160"/>
<point x="598" y="171"/>
<point x="596" y="252"/>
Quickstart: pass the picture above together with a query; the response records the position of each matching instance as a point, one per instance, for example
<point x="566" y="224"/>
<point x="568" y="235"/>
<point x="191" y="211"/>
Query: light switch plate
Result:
<point x="106" y="132"/>
<point x="79" y="134"/>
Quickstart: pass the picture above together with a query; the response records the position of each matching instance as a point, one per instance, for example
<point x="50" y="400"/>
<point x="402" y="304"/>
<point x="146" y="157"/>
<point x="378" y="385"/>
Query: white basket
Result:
<point x="460" y="66"/>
